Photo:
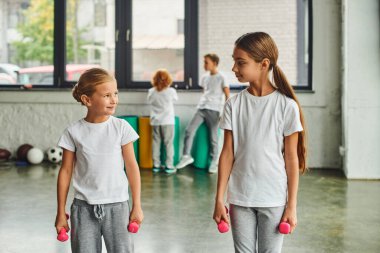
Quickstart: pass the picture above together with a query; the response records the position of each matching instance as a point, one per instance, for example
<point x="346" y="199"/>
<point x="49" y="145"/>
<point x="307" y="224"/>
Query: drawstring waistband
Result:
<point x="98" y="209"/>
<point x="99" y="212"/>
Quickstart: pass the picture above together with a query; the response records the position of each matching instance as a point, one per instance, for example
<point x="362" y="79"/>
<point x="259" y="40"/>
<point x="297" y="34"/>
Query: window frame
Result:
<point x="301" y="45"/>
<point x="124" y="47"/>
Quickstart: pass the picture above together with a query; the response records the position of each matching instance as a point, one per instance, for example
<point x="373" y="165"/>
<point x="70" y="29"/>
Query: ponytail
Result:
<point x="285" y="88"/>
<point x="76" y="93"/>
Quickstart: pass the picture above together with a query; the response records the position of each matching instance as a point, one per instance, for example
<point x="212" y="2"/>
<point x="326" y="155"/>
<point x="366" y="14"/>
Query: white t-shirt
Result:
<point x="259" y="124"/>
<point x="98" y="176"/>
<point x="162" y="108"/>
<point x="213" y="94"/>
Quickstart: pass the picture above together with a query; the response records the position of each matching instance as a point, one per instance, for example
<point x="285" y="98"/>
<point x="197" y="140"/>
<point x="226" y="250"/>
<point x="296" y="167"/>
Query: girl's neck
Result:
<point x="96" y="118"/>
<point x="260" y="89"/>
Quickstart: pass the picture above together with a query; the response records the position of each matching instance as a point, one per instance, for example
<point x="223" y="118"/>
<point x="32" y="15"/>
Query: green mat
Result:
<point x="175" y="143"/>
<point x="134" y="122"/>
<point x="200" y="150"/>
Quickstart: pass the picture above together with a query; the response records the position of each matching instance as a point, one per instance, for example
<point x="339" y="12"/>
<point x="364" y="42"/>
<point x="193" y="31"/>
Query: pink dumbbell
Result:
<point x="223" y="226"/>
<point x="62" y="235"/>
<point x="284" y="228"/>
<point x="133" y="227"/>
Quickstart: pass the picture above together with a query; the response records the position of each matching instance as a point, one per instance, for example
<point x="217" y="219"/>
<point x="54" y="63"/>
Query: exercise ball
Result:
<point x="35" y="156"/>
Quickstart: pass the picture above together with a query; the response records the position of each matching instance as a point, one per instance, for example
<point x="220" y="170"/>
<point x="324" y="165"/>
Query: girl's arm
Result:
<point x="63" y="184"/>
<point x="224" y="170"/>
<point x="292" y="171"/>
<point x="133" y="174"/>
<point x="226" y="91"/>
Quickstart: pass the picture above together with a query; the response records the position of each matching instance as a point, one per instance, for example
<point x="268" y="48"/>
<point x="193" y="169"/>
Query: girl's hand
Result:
<point x="290" y="216"/>
<point x="61" y="222"/>
<point x="137" y="215"/>
<point x="220" y="213"/>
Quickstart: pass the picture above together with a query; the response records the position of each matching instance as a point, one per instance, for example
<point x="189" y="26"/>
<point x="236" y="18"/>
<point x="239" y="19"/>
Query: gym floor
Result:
<point x="334" y="214"/>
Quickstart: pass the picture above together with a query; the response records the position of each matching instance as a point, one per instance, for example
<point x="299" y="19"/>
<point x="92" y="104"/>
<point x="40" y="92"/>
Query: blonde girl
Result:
<point x="95" y="150"/>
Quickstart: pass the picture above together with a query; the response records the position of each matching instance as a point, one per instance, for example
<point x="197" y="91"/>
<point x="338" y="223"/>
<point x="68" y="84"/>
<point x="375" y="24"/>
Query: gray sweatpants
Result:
<point x="166" y="134"/>
<point x="255" y="229"/>
<point x="90" y="222"/>
<point x="212" y="121"/>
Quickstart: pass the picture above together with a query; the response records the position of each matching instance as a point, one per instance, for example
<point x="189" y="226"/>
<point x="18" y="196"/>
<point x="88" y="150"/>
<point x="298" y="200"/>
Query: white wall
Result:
<point x="39" y="117"/>
<point x="361" y="88"/>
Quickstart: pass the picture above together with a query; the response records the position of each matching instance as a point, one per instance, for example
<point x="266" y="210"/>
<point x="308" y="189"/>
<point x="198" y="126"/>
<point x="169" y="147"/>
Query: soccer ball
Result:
<point x="54" y="154"/>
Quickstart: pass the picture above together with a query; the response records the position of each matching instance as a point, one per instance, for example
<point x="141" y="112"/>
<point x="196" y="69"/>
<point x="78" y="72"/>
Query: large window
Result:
<point x="156" y="42"/>
<point x="155" y="35"/>
<point x="131" y="38"/>
<point x="26" y="42"/>
<point x="49" y="43"/>
<point x="90" y="38"/>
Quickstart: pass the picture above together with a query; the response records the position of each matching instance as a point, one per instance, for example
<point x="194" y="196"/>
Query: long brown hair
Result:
<point x="161" y="79"/>
<point x="89" y="80"/>
<point x="259" y="45"/>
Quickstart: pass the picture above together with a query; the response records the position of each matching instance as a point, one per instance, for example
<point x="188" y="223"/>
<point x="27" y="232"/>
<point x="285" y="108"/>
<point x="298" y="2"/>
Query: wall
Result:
<point x="39" y="117"/>
<point x="361" y="90"/>
<point x="222" y="22"/>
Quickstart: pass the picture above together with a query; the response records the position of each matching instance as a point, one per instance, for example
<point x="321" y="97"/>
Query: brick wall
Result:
<point x="222" y="22"/>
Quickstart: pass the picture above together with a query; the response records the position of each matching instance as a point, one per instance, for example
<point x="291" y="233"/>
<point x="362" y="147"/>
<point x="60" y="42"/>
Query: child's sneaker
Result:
<point x="156" y="169"/>
<point x="185" y="160"/>
<point x="170" y="170"/>
<point x="213" y="167"/>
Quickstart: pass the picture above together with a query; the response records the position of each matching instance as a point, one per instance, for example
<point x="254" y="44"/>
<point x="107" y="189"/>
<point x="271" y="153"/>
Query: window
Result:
<point x="27" y="40"/>
<point x="153" y="38"/>
<point x="89" y="38"/>
<point x="304" y="49"/>
<point x="45" y="40"/>
<point x="128" y="39"/>
<point x="155" y="41"/>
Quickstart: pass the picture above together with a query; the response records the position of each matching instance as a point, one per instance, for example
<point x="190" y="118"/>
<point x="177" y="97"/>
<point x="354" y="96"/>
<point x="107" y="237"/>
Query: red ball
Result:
<point x="22" y="151"/>
<point x="4" y="154"/>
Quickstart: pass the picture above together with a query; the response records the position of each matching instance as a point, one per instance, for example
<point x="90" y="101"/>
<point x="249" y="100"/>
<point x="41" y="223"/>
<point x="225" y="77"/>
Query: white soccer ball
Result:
<point x="54" y="154"/>
<point x="35" y="156"/>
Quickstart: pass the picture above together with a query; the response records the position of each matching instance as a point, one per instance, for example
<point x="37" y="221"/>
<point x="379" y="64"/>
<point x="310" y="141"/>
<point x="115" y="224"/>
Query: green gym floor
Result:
<point x="334" y="214"/>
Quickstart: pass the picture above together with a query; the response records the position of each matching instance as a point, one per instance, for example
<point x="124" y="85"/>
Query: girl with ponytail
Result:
<point x="264" y="149"/>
